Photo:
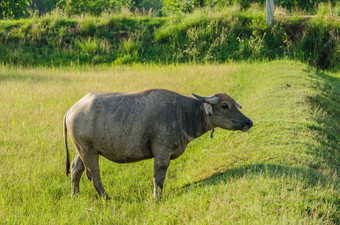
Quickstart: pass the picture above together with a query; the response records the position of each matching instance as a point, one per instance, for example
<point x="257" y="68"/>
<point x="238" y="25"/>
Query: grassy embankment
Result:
<point x="284" y="171"/>
<point x="207" y="35"/>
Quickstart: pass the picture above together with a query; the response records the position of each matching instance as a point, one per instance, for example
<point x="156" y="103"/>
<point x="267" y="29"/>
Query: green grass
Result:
<point x="284" y="171"/>
<point x="206" y="35"/>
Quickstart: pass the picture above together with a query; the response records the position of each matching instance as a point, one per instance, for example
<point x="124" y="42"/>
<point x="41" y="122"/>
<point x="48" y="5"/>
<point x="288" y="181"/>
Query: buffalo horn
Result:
<point x="210" y="100"/>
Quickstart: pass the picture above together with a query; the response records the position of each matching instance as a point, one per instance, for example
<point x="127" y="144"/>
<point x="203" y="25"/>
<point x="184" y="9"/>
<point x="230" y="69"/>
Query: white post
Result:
<point x="270" y="12"/>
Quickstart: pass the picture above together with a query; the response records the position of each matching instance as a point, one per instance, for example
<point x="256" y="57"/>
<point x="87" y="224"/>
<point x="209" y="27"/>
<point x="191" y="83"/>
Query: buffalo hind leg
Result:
<point x="77" y="170"/>
<point x="91" y="163"/>
<point x="161" y="164"/>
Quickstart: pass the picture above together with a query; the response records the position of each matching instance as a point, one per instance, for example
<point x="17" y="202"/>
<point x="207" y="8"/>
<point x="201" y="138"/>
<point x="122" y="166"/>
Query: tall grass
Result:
<point x="206" y="35"/>
<point x="284" y="171"/>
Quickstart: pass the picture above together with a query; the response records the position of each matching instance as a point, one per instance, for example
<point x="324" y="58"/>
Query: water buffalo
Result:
<point x="129" y="127"/>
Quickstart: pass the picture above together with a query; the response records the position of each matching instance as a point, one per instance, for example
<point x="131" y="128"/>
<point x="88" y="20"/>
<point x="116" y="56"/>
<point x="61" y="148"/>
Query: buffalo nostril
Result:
<point x="249" y="123"/>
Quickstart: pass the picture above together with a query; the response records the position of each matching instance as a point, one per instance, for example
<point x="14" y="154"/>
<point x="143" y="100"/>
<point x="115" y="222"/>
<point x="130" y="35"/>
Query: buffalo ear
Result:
<point x="211" y="100"/>
<point x="208" y="109"/>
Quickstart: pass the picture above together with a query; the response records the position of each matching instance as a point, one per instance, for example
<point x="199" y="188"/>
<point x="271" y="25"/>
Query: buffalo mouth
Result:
<point x="246" y="128"/>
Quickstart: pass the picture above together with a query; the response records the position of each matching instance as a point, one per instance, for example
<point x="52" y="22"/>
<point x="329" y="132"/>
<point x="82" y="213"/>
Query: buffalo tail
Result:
<point x="67" y="153"/>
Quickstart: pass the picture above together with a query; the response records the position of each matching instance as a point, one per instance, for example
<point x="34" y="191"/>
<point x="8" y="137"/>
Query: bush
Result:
<point x="203" y="36"/>
<point x="14" y="8"/>
<point x="95" y="7"/>
<point x="181" y="7"/>
<point x="154" y="5"/>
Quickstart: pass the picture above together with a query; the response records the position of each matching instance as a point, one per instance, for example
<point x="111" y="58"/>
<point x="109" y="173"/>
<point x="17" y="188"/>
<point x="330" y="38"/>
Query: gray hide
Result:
<point x="129" y="127"/>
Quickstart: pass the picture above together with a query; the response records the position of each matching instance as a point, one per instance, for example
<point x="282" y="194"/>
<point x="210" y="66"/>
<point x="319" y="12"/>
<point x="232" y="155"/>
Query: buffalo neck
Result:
<point x="195" y="120"/>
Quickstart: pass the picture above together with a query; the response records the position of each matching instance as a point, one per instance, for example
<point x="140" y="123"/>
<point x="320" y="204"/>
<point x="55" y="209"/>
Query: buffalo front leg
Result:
<point x="77" y="170"/>
<point x="161" y="164"/>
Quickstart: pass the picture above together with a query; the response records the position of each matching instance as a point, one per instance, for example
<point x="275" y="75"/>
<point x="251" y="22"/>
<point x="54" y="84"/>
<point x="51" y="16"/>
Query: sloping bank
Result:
<point x="204" y="36"/>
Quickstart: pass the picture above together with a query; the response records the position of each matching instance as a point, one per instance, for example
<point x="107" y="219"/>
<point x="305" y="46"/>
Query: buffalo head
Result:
<point x="223" y="111"/>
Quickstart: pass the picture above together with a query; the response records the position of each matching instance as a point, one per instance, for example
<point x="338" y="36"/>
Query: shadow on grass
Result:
<point x="326" y="104"/>
<point x="310" y="176"/>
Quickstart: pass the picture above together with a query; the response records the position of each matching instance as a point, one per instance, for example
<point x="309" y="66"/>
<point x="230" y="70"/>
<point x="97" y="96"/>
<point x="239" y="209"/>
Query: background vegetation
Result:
<point x="285" y="170"/>
<point x="204" y="36"/>
<point x="20" y="8"/>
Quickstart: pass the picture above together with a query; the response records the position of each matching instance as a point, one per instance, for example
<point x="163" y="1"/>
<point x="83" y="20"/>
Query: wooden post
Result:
<point x="270" y="12"/>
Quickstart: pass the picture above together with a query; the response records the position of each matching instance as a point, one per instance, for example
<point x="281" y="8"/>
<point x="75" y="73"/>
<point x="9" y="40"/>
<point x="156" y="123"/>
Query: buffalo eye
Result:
<point x="224" y="106"/>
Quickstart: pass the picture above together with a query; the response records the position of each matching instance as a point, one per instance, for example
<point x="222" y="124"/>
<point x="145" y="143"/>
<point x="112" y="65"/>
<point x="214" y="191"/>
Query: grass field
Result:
<point x="285" y="170"/>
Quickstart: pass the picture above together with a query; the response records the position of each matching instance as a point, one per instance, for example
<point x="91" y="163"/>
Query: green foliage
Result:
<point x="155" y="5"/>
<point x="87" y="26"/>
<point x="43" y="6"/>
<point x="180" y="7"/>
<point x="89" y="46"/>
<point x="14" y="8"/>
<point x="20" y="8"/>
<point x="50" y="5"/>
<point x="94" y="7"/>
<point x="203" y="36"/>
<point x="307" y="5"/>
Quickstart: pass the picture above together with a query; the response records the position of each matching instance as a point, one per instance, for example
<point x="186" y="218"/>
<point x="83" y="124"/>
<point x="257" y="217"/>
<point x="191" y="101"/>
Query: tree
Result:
<point x="14" y="8"/>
